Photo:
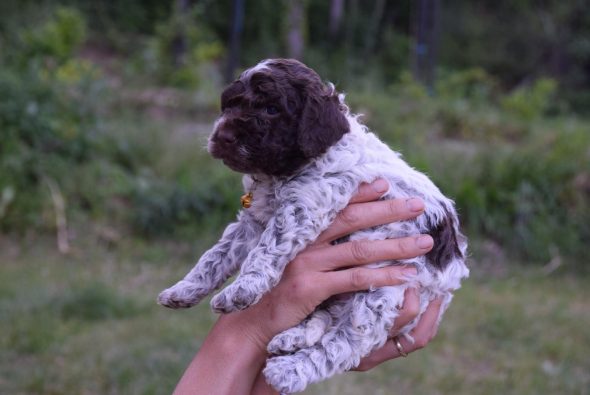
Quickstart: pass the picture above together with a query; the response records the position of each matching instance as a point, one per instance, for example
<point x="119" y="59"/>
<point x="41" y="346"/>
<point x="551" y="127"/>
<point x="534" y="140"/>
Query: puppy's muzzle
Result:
<point x="224" y="136"/>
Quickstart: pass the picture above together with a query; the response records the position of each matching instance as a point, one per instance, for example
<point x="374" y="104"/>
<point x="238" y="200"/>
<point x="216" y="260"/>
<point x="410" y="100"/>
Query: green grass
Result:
<point x="88" y="324"/>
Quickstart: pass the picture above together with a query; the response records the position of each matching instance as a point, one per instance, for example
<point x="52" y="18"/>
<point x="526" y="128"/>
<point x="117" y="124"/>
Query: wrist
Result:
<point x="239" y="332"/>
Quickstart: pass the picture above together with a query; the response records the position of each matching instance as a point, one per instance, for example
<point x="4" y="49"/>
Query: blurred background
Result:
<point x="107" y="194"/>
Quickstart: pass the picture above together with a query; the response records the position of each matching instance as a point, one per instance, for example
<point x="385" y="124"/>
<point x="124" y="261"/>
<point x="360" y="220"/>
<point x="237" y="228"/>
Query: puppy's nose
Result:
<point x="225" y="136"/>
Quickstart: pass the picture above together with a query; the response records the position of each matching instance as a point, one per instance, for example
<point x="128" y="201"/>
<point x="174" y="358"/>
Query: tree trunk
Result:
<point x="295" y="43"/>
<point x="352" y="13"/>
<point x="235" y="35"/>
<point x="425" y="30"/>
<point x="179" y="44"/>
<point x="336" y="13"/>
<point x="373" y="28"/>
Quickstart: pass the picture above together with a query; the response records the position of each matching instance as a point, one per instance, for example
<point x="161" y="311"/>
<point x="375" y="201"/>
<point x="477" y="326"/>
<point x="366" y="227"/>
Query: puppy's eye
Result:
<point x="272" y="110"/>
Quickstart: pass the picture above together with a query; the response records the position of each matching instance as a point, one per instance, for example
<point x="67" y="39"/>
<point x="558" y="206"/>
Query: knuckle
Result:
<point x="300" y="261"/>
<point x="393" y="209"/>
<point x="298" y="287"/>
<point x="359" y="278"/>
<point x="393" y="277"/>
<point x="349" y="216"/>
<point x="420" y="343"/>
<point x="361" y="251"/>
<point x="404" y="246"/>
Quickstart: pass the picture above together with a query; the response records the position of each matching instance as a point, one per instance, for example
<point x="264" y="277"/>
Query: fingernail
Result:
<point x="414" y="204"/>
<point x="424" y="242"/>
<point x="380" y="185"/>
<point x="409" y="271"/>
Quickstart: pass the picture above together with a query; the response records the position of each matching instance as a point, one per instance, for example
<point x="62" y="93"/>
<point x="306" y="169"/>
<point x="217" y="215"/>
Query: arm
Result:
<point x="229" y="360"/>
<point x="234" y="352"/>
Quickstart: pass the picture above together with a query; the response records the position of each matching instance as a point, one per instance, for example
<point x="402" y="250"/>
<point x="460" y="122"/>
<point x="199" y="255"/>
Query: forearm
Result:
<point x="228" y="362"/>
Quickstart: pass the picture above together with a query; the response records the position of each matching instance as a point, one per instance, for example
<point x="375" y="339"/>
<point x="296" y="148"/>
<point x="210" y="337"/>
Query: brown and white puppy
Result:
<point x="304" y="156"/>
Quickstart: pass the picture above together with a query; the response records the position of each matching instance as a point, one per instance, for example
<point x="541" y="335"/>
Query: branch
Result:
<point x="60" y="215"/>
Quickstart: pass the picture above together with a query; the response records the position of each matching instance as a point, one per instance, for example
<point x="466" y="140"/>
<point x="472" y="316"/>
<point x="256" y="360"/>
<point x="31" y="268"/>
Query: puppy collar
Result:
<point x="247" y="198"/>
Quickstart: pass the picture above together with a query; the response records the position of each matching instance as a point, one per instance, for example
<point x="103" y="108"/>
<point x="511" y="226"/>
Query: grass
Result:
<point x="87" y="323"/>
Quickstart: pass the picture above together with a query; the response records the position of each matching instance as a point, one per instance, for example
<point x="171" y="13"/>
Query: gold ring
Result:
<point x="399" y="347"/>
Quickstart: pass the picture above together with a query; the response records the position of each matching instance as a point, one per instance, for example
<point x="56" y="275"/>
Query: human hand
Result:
<point x="323" y="270"/>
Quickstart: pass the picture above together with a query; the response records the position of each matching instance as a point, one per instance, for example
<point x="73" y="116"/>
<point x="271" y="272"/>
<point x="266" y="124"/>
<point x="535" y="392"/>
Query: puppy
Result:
<point x="304" y="156"/>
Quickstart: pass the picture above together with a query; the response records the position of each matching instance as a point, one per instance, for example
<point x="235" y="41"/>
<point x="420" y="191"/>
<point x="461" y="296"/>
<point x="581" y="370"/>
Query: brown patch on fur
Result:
<point x="446" y="243"/>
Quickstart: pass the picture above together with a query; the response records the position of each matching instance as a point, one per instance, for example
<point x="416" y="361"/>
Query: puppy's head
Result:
<point x="276" y="118"/>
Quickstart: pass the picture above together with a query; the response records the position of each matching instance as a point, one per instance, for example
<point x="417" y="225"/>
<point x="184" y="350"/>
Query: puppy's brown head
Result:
<point x="275" y="118"/>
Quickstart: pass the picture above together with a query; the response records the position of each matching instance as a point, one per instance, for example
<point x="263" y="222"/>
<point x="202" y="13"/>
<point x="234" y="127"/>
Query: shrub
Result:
<point x="169" y="209"/>
<point x="48" y="126"/>
<point x="48" y="118"/>
<point x="58" y="37"/>
<point x="529" y="103"/>
<point x="527" y="198"/>
<point x="181" y="46"/>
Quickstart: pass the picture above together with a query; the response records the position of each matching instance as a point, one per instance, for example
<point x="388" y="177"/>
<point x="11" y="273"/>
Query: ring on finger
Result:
<point x="399" y="346"/>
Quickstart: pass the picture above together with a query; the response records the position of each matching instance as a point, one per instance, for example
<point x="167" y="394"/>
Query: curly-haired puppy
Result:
<point x="304" y="155"/>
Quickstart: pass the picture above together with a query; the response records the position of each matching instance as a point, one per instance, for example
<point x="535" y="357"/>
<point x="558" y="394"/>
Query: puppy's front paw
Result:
<point x="183" y="294"/>
<point x="233" y="298"/>
<point x="286" y="375"/>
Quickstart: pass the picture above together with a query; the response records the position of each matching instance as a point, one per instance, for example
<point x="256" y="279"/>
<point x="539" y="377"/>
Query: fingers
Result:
<point x="427" y="326"/>
<point x="362" y="216"/>
<point x="387" y="352"/>
<point x="370" y="192"/>
<point x="361" y="252"/>
<point x="377" y="357"/>
<point x="360" y="279"/>
<point x="409" y="311"/>
<point x="422" y="334"/>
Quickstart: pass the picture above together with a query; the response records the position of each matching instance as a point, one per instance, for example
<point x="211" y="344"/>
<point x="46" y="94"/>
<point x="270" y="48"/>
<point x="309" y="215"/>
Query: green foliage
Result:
<point x="531" y="102"/>
<point x="473" y="84"/>
<point x="165" y="209"/>
<point x="519" y="42"/>
<point x="526" y="198"/>
<point x="58" y="37"/>
<point x="48" y="125"/>
<point x="181" y="45"/>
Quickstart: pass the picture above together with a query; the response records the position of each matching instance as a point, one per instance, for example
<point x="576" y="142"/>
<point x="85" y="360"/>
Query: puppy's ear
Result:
<point x="322" y="124"/>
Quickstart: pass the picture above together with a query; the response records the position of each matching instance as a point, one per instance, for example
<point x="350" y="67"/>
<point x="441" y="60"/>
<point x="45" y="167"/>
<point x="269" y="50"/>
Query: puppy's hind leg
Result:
<point x="306" y="334"/>
<point x="340" y="349"/>
<point x="336" y="352"/>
